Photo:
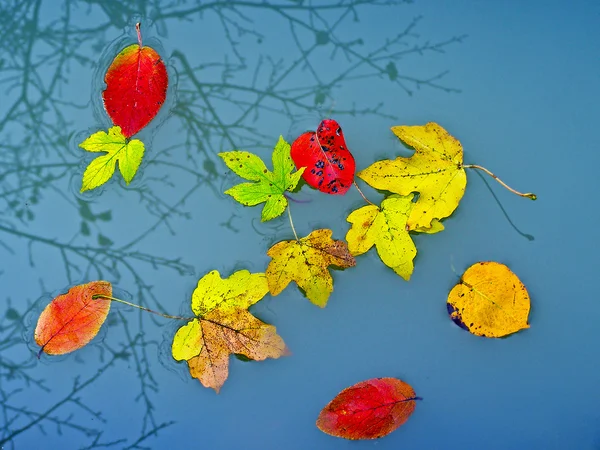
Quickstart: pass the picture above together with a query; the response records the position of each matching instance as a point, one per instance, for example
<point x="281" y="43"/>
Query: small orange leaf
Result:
<point x="368" y="410"/>
<point x="73" y="319"/>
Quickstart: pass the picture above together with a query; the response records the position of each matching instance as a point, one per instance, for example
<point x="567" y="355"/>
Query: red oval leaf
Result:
<point x="368" y="410"/>
<point x="136" y="87"/>
<point x="329" y="164"/>
<point x="73" y="319"/>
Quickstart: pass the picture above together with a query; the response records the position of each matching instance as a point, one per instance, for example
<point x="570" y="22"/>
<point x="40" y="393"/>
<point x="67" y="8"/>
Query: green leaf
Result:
<point x="128" y="153"/>
<point x="268" y="187"/>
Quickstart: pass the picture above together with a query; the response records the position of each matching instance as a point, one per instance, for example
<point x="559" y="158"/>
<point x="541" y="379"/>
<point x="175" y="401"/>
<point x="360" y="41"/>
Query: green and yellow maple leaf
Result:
<point x="384" y="228"/>
<point x="435" y="171"/>
<point x="268" y="187"/>
<point x="306" y="262"/>
<point x="223" y="325"/>
<point x="128" y="153"/>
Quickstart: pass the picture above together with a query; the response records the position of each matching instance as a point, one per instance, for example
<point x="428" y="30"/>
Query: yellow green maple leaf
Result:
<point x="128" y="153"/>
<point x="435" y="171"/>
<point x="384" y="228"/>
<point x="306" y="262"/>
<point x="223" y="325"/>
<point x="269" y="186"/>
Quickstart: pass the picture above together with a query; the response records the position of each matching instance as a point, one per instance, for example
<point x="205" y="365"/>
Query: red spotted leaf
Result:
<point x="136" y="87"/>
<point x="329" y="164"/>
<point x="368" y="410"/>
<point x="73" y="319"/>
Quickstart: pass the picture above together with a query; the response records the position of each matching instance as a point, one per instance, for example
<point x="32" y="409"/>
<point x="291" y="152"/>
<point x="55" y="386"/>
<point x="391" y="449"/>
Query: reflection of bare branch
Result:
<point x="218" y="104"/>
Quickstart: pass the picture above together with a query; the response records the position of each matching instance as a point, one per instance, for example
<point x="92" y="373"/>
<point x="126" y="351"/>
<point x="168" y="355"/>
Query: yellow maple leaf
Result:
<point x="489" y="301"/>
<point x="435" y="171"/>
<point x="128" y="153"/>
<point x="224" y="326"/>
<point x="306" y="262"/>
<point x="384" y="228"/>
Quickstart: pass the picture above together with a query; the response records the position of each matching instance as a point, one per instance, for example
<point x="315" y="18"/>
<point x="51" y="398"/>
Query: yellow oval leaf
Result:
<point x="489" y="301"/>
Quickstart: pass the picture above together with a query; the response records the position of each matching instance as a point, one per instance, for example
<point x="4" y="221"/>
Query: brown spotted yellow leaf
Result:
<point x="434" y="171"/>
<point x="384" y="228"/>
<point x="489" y="301"/>
<point x="306" y="262"/>
<point x="223" y="325"/>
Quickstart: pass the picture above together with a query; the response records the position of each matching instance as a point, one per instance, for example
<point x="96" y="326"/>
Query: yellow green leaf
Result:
<point x="434" y="171"/>
<point x="489" y="300"/>
<point x="384" y="228"/>
<point x="306" y="262"/>
<point x="268" y="187"/>
<point x="128" y="153"/>
<point x="223" y="325"/>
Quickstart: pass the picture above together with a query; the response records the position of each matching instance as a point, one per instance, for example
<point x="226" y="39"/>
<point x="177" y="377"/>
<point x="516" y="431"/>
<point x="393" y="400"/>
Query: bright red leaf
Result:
<point x="73" y="319"/>
<point x="329" y="164"/>
<point x="368" y="410"/>
<point x="136" y="87"/>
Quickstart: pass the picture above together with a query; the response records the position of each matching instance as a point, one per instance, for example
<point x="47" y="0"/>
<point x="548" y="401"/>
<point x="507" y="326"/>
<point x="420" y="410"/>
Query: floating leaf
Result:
<point x="306" y="262"/>
<point x="118" y="149"/>
<point x="136" y="87"/>
<point x="73" y="319"/>
<point x="489" y="301"/>
<point x="435" y="171"/>
<point x="329" y="164"/>
<point x="224" y="326"/>
<point x="368" y="410"/>
<point x="269" y="186"/>
<point x="385" y="228"/>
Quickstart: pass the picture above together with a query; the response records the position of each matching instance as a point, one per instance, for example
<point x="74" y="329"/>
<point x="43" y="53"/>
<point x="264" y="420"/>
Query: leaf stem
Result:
<point x="139" y="33"/>
<point x="166" y="316"/>
<point x="527" y="194"/>
<point x="292" y="222"/>
<point x="363" y="195"/>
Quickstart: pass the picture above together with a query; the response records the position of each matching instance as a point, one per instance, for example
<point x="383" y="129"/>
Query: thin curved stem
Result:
<point x="527" y="194"/>
<point x="363" y="195"/>
<point x="292" y="222"/>
<point x="166" y="316"/>
<point x="139" y="33"/>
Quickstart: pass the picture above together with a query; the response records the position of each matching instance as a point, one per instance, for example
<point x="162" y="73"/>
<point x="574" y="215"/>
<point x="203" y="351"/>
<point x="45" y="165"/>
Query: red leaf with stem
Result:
<point x="329" y="164"/>
<point x="136" y="87"/>
<point x="73" y="319"/>
<point x="368" y="410"/>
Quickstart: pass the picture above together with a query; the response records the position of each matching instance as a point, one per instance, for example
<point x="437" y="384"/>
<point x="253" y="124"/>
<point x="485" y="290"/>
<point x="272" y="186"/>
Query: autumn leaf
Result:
<point x="269" y="187"/>
<point x="136" y="87"/>
<point x="329" y="164"/>
<point x="72" y="320"/>
<point x="306" y="262"/>
<point x="368" y="410"/>
<point x="435" y="171"/>
<point x="128" y="153"/>
<point x="385" y="228"/>
<point x="224" y="326"/>
<point x="489" y="301"/>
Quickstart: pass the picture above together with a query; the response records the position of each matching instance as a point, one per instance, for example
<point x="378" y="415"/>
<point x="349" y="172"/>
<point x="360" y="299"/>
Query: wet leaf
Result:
<point x="329" y="164"/>
<point x="269" y="187"/>
<point x="73" y="319"/>
<point x="136" y="87"/>
<point x="489" y="301"/>
<point x="306" y="262"/>
<point x="385" y="228"/>
<point x="224" y="326"/>
<point x="118" y="149"/>
<point x="434" y="171"/>
<point x="368" y="410"/>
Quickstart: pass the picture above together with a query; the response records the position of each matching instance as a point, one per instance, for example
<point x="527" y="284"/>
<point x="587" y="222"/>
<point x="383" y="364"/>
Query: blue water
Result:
<point x="516" y="82"/>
